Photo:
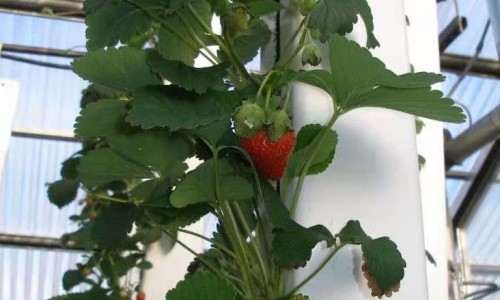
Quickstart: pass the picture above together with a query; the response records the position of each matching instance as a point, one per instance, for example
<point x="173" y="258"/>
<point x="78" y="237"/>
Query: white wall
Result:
<point x="9" y="93"/>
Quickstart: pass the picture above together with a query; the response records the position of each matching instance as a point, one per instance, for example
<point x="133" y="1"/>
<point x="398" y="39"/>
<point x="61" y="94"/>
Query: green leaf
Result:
<point x="247" y="43"/>
<point x="112" y="225"/>
<point x="319" y="78"/>
<point x="80" y="238"/>
<point x="199" y="185"/>
<point x="169" y="106"/>
<point x="202" y="286"/>
<point x="305" y="144"/>
<point x="90" y="6"/>
<point x="122" y="265"/>
<point x="63" y="192"/>
<point x="292" y="247"/>
<point x="145" y="265"/>
<point x="384" y="262"/>
<point x="353" y="234"/>
<point x="69" y="169"/>
<point x="72" y="278"/>
<point x="102" y="118"/>
<point x="189" y="78"/>
<point x="261" y="8"/>
<point x="215" y="132"/>
<point x="360" y="80"/>
<point x="175" y="40"/>
<point x="113" y="22"/>
<point x="146" y="155"/>
<point x="173" y="218"/>
<point x="338" y="16"/>
<point x="421" y="102"/>
<point x="275" y="209"/>
<point x="90" y="295"/>
<point x="124" y="69"/>
<point x="154" y="193"/>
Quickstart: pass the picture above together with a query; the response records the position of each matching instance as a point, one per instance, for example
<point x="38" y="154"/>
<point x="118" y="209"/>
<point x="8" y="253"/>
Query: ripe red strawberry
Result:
<point x="140" y="296"/>
<point x="270" y="158"/>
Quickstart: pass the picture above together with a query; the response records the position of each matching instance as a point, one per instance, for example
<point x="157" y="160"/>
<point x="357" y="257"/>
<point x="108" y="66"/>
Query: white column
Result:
<point x="9" y="93"/>
<point x="374" y="177"/>
<point x="423" y="30"/>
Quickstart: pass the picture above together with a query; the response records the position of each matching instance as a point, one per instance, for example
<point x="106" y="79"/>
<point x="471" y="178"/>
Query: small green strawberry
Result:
<point x="306" y="6"/>
<point x="278" y="124"/>
<point x="249" y="119"/>
<point x="311" y="55"/>
<point x="300" y="297"/>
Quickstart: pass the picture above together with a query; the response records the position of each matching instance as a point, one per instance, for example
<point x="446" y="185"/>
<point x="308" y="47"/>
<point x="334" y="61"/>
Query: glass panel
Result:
<point x="49" y="98"/>
<point x="24" y="207"/>
<point x="31" y="274"/>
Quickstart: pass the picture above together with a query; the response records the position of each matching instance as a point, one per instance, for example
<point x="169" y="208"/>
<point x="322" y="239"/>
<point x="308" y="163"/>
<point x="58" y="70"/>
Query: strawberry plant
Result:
<point x="149" y="108"/>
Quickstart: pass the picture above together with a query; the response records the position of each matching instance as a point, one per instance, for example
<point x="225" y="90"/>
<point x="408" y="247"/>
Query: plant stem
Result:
<point x="318" y="141"/>
<point x="221" y="247"/>
<point x="315" y="272"/>
<point x="264" y="82"/>
<point x="262" y="267"/>
<point x="204" y="261"/>
<point x="292" y="39"/>
<point x="231" y="229"/>
<point x="225" y="48"/>
<point x="116" y="199"/>
<point x="297" y="50"/>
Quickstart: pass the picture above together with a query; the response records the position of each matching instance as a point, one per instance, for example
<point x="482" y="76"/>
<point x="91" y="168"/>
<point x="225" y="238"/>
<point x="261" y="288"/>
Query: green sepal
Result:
<point x="248" y="120"/>
<point x="278" y="124"/>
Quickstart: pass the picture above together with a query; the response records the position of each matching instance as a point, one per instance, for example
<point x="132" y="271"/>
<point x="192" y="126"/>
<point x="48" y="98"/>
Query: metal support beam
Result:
<point x="482" y="67"/>
<point x="14" y="240"/>
<point x="494" y="11"/>
<point x="41" y="51"/>
<point x="451" y="32"/>
<point x="67" y="7"/>
<point x="485" y="175"/>
<point x="484" y="131"/>
<point x="45" y="135"/>
<point x="485" y="269"/>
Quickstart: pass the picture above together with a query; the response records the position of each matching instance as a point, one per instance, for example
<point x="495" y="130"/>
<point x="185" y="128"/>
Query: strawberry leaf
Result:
<point x="338" y="16"/>
<point x="113" y="68"/>
<point x="292" y="246"/>
<point x="63" y="192"/>
<point x="187" y="77"/>
<point x="259" y="8"/>
<point x="72" y="278"/>
<point x="112" y="225"/>
<point x="175" y="39"/>
<point x="202" y="286"/>
<point x="175" y="108"/>
<point x="384" y="262"/>
<point x="146" y="155"/>
<point x="113" y="22"/>
<point x="306" y="142"/>
<point x="247" y="43"/>
<point x="102" y="118"/>
<point x="353" y="234"/>
<point x="199" y="185"/>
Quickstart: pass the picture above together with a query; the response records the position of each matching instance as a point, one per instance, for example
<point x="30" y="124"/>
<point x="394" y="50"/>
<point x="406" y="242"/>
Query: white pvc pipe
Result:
<point x="374" y="177"/>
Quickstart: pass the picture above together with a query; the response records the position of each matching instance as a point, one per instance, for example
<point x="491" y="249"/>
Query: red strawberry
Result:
<point x="270" y="158"/>
<point x="140" y="296"/>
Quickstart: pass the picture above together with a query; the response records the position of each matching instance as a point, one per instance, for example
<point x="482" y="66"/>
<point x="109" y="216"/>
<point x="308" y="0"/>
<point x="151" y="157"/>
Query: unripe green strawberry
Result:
<point x="236" y="21"/>
<point x="249" y="119"/>
<point x="279" y="124"/>
<point x="270" y="158"/>
<point x="300" y="297"/>
<point x="311" y="55"/>
<point x="306" y="6"/>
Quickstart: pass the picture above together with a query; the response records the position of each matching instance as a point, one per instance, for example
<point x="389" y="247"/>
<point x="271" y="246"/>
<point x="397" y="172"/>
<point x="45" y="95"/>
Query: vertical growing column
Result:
<point x="374" y="177"/>
<point x="8" y="94"/>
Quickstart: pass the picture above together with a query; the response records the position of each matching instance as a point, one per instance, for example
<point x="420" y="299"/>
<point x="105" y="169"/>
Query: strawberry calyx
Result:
<point x="249" y="119"/>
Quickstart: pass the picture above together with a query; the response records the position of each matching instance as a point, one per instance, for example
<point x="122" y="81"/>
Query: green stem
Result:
<point x="204" y="261"/>
<point x="218" y="245"/>
<point x="220" y="42"/>
<point x="297" y="50"/>
<point x="313" y="274"/>
<point x="232" y="232"/>
<point x="288" y="96"/>
<point x="292" y="39"/>
<point x="318" y="141"/>
<point x="264" y="82"/>
<point x="115" y="199"/>
<point x="215" y="60"/>
<point x="262" y="267"/>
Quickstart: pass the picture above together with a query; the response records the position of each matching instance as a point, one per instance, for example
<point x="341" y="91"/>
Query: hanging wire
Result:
<point x="467" y="70"/>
